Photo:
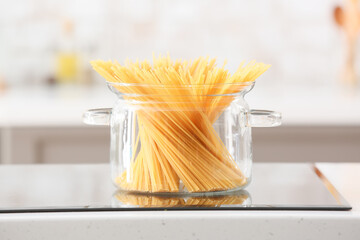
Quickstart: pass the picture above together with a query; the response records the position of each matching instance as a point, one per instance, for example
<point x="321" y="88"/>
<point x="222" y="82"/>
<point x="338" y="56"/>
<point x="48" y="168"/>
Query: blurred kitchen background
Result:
<point x="46" y="81"/>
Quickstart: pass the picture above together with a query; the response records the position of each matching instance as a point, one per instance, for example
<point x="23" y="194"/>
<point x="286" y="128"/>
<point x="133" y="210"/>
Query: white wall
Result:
<point x="299" y="38"/>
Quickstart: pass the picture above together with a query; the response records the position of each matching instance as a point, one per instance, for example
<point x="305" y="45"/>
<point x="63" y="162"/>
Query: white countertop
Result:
<point x="200" y="224"/>
<point x="63" y="106"/>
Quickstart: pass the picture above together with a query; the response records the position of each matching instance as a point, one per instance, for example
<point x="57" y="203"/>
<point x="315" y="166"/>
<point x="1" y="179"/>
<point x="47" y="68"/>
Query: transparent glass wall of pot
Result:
<point x="231" y="127"/>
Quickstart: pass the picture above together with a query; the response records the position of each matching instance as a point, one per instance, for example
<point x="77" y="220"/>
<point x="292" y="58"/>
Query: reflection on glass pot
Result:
<point x="126" y="199"/>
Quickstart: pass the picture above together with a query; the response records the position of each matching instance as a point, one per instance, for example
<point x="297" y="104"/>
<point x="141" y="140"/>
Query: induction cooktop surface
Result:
<point x="88" y="187"/>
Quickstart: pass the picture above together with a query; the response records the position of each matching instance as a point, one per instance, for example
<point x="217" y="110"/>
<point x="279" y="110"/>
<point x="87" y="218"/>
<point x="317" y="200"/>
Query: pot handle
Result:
<point x="100" y="116"/>
<point x="263" y="118"/>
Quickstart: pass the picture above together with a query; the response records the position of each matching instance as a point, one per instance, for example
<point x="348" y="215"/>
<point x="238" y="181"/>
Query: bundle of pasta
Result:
<point x="177" y="104"/>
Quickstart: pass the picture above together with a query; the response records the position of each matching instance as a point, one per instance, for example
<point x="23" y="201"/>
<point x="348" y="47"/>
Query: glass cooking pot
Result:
<point x="185" y="142"/>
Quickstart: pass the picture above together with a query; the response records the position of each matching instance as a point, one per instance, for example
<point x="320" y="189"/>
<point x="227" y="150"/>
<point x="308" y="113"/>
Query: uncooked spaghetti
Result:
<point x="177" y="103"/>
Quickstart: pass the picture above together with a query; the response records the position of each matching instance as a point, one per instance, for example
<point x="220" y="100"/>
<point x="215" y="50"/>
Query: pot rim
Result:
<point x="142" y="89"/>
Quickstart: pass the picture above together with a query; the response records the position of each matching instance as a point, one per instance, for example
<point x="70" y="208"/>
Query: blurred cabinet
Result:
<point x="307" y="144"/>
<point x="55" y="145"/>
<point x="91" y="144"/>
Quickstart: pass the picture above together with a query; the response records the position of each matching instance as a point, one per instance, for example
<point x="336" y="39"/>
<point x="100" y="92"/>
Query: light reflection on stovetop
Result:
<point x="52" y="188"/>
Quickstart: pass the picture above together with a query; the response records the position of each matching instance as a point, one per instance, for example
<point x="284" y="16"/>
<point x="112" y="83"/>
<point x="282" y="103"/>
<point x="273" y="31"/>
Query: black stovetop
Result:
<point x="87" y="187"/>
